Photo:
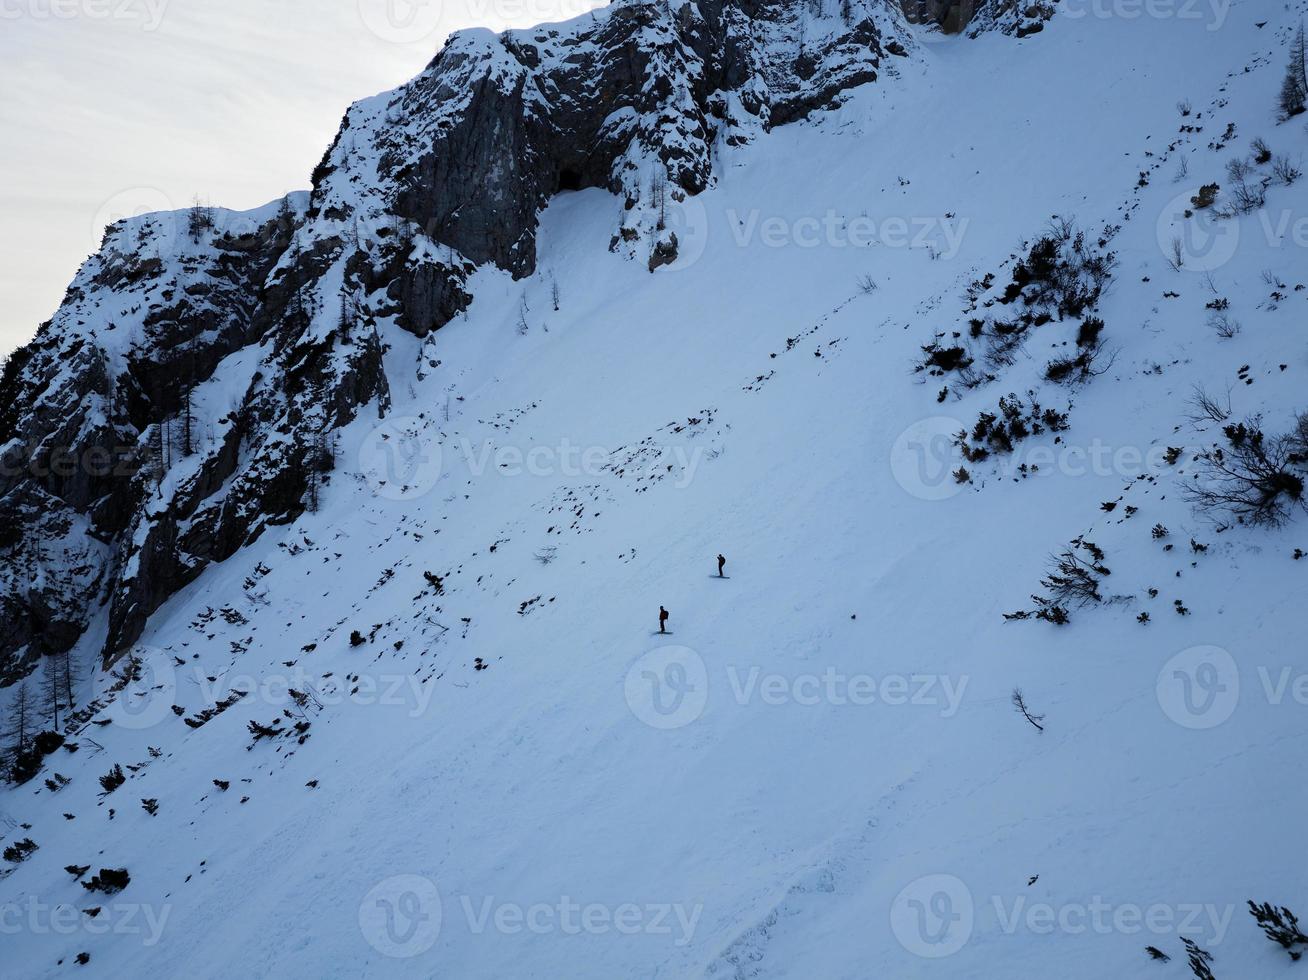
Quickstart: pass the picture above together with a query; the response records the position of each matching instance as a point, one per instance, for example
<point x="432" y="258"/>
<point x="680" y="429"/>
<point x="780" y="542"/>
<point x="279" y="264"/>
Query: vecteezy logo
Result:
<point x="401" y="916"/>
<point x="1199" y="687"/>
<point x="924" y="457"/>
<point x="399" y="459"/>
<point x="135" y="202"/>
<point x="1196" y="236"/>
<point x="668" y="687"/>
<point x="401" y="21"/>
<point x="932" y="916"/>
<point x="688" y="220"/>
<point x="150" y="691"/>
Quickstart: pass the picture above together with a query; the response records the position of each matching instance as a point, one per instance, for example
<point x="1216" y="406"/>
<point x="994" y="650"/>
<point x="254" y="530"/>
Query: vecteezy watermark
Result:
<point x="926" y="456"/>
<point x="148" y="681"/>
<point x="66" y="461"/>
<point x="1212" y="13"/>
<point x="399" y="691"/>
<point x="137" y="202"/>
<point x="411" y="21"/>
<point x="839" y="689"/>
<point x="38" y="918"/>
<point x="668" y="687"/>
<point x="933" y="916"/>
<point x="159" y="229"/>
<point x="401" y="21"/>
<point x="936" y="916"/>
<point x="568" y="917"/>
<point x="402" y="459"/>
<point x="145" y="691"/>
<point x="401" y="916"/>
<point x="942" y="237"/>
<point x="1196" y="920"/>
<point x="1203" y="239"/>
<point x="150" y="13"/>
<point x="1199" y="687"/>
<point x="1195" y="240"/>
<point x="687" y="222"/>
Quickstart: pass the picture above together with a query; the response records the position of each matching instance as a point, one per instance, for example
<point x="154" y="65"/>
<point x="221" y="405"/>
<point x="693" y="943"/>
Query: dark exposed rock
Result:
<point x="1018" y="18"/>
<point x="113" y="495"/>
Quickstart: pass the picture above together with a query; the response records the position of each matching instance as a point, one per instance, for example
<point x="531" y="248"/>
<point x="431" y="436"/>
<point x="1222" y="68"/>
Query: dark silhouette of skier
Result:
<point x="663" y="618"/>
<point x="722" y="562"/>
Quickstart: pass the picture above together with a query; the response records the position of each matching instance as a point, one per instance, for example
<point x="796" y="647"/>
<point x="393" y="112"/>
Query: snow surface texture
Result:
<point x="506" y="772"/>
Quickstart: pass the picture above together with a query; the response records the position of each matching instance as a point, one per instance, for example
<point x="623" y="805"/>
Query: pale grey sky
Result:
<point x="114" y="107"/>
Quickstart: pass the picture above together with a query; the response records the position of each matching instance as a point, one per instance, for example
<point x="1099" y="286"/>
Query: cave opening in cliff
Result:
<point x="569" y="180"/>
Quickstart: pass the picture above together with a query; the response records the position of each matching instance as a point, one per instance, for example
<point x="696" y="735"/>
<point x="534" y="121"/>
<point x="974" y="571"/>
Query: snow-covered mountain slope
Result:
<point x="427" y="726"/>
<point x="421" y="184"/>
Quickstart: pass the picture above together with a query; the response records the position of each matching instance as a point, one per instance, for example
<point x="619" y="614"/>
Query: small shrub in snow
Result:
<point x="1285" y="172"/>
<point x="1063" y="271"/>
<point x="1073" y="580"/>
<point x="1088" y="334"/>
<point x="111" y="780"/>
<point x="110" y="881"/>
<point x="1198" y="959"/>
<point x="1281" y="926"/>
<point x="1237" y="169"/>
<point x="1252" y="478"/>
<point x="940" y="359"/>
<point x="202" y="718"/>
<point x="1075" y="574"/>
<point x="265" y="731"/>
<point x="1206" y="408"/>
<point x="20" y="851"/>
<point x="1019" y="704"/>
<point x="1206" y="196"/>
<point x="1223" y="324"/>
<point x="1246" y="198"/>
<point x="998" y="432"/>
<point x="1083" y="366"/>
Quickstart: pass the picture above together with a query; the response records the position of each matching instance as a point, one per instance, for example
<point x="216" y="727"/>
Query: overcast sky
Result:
<point x="114" y="107"/>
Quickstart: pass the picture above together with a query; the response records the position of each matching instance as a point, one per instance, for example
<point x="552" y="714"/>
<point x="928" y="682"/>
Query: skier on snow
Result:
<point x="721" y="564"/>
<point x="663" y="618"/>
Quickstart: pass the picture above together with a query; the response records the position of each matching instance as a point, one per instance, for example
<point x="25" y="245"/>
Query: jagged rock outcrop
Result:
<point x="632" y="99"/>
<point x="1019" y="18"/>
<point x="183" y="397"/>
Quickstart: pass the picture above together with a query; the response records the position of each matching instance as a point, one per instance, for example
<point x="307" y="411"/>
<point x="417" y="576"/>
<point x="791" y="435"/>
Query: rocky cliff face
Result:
<point x="1017" y="18"/>
<point x="183" y="397"/>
